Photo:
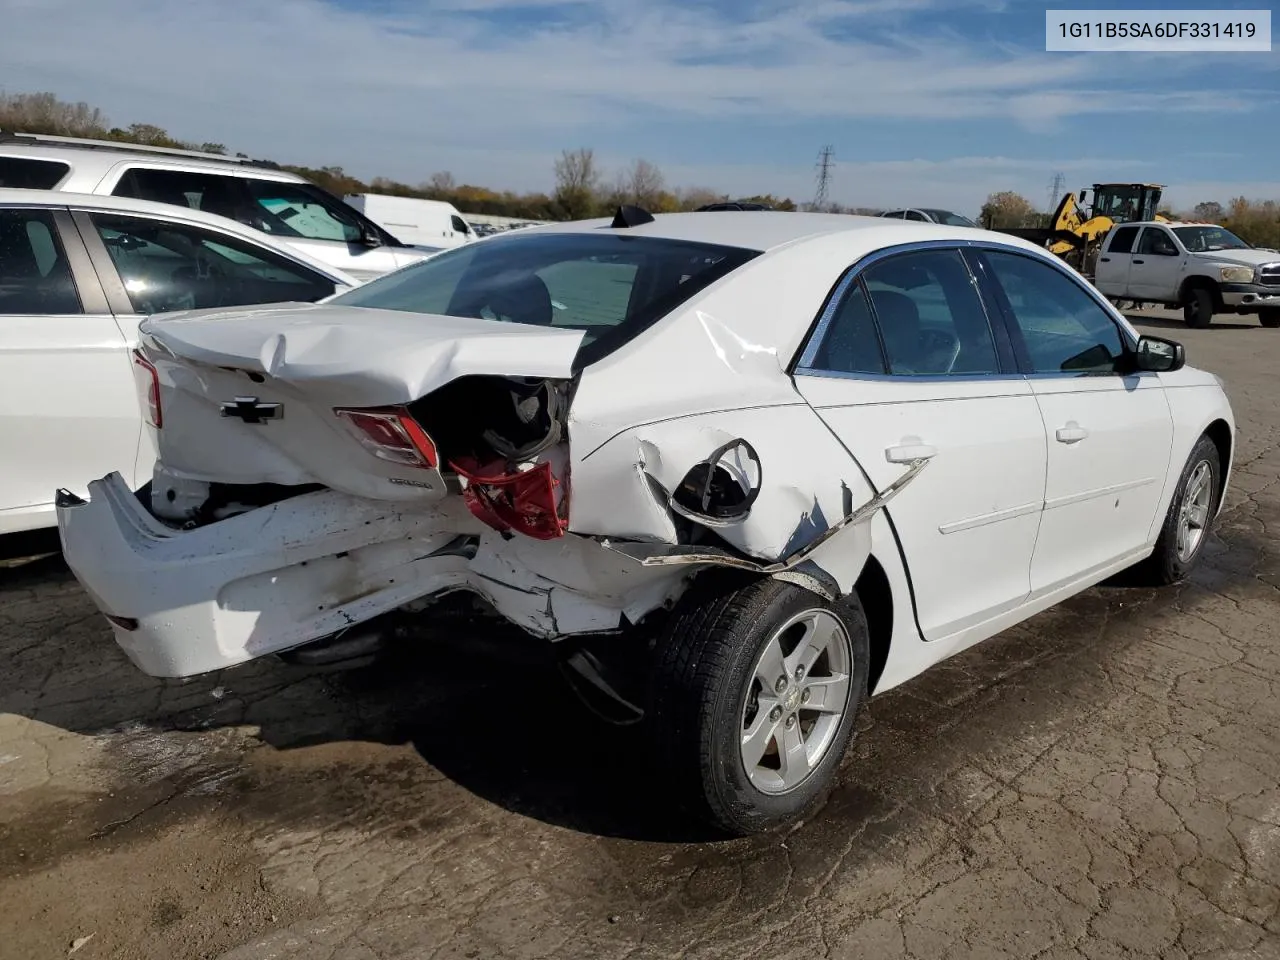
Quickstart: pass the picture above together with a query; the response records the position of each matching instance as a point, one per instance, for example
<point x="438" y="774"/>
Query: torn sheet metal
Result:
<point x="623" y="490"/>
<point x="847" y="561"/>
<point x="568" y="586"/>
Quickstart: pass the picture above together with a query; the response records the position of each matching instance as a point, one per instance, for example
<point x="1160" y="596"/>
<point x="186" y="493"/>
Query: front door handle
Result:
<point x="1071" y="433"/>
<point x="909" y="449"/>
<point x="1139" y="261"/>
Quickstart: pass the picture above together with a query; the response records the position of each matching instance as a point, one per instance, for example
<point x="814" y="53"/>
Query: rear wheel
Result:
<point x="1197" y="307"/>
<point x="755" y="689"/>
<point x="1269" y="318"/>
<point x="1186" y="525"/>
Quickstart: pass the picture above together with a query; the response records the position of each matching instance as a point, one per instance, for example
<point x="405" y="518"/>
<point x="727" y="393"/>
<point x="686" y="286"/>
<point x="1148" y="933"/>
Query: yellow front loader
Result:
<point x="1075" y="232"/>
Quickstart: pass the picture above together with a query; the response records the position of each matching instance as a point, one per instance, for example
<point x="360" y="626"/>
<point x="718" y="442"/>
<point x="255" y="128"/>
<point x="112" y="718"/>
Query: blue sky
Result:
<point x="929" y="102"/>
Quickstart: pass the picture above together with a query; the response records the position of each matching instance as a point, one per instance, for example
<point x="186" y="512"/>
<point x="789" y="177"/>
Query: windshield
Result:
<point x="949" y="218"/>
<point x="1206" y="239"/>
<point x="609" y="285"/>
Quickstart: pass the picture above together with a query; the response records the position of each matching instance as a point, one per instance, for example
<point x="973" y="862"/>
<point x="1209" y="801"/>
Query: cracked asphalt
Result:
<point x="1100" y="782"/>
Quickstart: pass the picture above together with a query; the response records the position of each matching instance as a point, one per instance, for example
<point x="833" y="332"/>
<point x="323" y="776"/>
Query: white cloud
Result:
<point x="418" y="87"/>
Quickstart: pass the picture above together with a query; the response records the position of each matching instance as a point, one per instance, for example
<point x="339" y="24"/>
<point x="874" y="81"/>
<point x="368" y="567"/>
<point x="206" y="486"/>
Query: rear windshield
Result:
<point x="611" y="286"/>
<point x="29" y="174"/>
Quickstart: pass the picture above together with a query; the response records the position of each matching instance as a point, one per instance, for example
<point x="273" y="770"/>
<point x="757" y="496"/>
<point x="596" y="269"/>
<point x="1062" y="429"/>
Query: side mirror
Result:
<point x="370" y="237"/>
<point x="1158" y="355"/>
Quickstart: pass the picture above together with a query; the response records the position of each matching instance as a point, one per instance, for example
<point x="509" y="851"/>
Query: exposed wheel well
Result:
<point x="1220" y="434"/>
<point x="1192" y="283"/>
<point x="877" y="603"/>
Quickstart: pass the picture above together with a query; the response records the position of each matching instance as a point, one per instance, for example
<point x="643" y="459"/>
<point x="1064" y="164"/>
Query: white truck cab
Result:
<point x="1202" y="267"/>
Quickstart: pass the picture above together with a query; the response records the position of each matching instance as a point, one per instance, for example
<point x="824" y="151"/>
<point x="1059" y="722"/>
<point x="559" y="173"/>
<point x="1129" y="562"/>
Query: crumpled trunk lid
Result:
<point x="252" y="396"/>
<point x="362" y="357"/>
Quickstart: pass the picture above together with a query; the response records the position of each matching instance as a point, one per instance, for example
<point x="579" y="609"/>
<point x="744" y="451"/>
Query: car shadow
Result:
<point x="487" y="707"/>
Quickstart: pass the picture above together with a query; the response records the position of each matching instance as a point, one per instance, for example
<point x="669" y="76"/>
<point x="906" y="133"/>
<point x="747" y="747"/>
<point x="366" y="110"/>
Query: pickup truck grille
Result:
<point x="1270" y="274"/>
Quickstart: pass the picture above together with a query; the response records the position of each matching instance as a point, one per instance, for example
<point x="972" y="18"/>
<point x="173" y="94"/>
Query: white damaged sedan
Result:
<point x="744" y="471"/>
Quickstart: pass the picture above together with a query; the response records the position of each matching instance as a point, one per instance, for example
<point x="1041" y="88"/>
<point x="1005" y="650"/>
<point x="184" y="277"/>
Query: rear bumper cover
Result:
<point x="257" y="583"/>
<point x="187" y="602"/>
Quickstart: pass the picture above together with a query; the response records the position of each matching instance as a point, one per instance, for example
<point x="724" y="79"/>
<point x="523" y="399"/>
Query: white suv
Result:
<point x="269" y="199"/>
<point x="77" y="275"/>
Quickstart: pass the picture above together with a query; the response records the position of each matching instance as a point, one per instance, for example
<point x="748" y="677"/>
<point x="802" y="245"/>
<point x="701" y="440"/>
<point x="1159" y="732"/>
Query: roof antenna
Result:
<point x="629" y="216"/>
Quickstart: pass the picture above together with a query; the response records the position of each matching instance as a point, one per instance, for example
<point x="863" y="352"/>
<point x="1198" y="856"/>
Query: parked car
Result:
<point x="77" y="273"/>
<point x="263" y="196"/>
<point x="923" y="215"/>
<point x="1201" y="267"/>
<point x="807" y="456"/>
<point x="432" y="225"/>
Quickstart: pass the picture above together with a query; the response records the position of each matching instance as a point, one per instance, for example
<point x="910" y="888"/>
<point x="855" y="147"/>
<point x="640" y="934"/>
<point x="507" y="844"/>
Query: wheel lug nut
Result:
<point x="799" y="673"/>
<point x="780" y="685"/>
<point x="775" y="714"/>
<point x="791" y="722"/>
<point x="804" y="696"/>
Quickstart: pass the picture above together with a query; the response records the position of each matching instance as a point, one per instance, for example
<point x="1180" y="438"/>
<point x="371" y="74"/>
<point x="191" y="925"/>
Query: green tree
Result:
<point x="1007" y="209"/>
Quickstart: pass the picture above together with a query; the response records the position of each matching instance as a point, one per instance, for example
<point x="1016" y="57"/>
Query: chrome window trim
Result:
<point x="804" y="365"/>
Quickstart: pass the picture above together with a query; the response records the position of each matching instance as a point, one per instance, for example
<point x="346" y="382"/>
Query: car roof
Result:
<point x="20" y="197"/>
<point x="103" y="155"/>
<point x="764" y="230"/>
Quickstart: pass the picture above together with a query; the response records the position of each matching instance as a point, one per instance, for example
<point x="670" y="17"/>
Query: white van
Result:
<point x="432" y="224"/>
<point x="262" y="196"/>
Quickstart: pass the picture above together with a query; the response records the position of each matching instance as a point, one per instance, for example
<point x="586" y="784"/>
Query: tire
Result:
<point x="1197" y="307"/>
<point x="1168" y="564"/>
<point x="704" y="693"/>
<point x="1269" y="318"/>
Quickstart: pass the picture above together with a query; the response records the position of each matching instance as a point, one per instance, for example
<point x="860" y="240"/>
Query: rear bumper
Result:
<point x="187" y="602"/>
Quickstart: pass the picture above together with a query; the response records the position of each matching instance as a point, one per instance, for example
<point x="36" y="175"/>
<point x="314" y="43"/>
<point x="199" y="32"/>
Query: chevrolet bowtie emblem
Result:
<point x="250" y="410"/>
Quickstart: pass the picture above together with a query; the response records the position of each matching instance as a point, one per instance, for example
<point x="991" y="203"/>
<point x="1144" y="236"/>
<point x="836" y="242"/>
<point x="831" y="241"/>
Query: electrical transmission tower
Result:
<point x="1055" y="191"/>
<point x="825" y="163"/>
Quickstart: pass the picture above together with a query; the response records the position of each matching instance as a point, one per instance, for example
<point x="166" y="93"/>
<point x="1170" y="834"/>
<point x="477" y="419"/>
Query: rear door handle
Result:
<point x="909" y="449"/>
<point x="1139" y="261"/>
<point x="1105" y="259"/>
<point x="1071" y="433"/>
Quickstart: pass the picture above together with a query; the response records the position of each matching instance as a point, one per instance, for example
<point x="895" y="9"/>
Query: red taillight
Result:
<point x="391" y="433"/>
<point x="524" y="501"/>
<point x="148" y="380"/>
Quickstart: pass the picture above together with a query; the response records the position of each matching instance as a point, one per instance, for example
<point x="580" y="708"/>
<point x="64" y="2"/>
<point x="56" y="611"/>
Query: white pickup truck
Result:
<point x="1201" y="267"/>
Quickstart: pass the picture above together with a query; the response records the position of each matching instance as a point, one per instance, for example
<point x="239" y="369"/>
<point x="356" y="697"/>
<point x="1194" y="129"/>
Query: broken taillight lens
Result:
<point x="148" y="381"/>
<point x="391" y="434"/>
<point x="524" y="502"/>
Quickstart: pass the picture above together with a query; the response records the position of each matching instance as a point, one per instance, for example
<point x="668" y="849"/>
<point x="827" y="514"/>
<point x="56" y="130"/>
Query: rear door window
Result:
<point x="35" y="277"/>
<point x="28" y="173"/>
<point x="850" y="343"/>
<point x="930" y="317"/>
<point x="1122" y="240"/>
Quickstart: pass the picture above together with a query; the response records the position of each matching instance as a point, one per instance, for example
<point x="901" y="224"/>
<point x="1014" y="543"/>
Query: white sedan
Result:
<point x="744" y="472"/>
<point x="77" y="274"/>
